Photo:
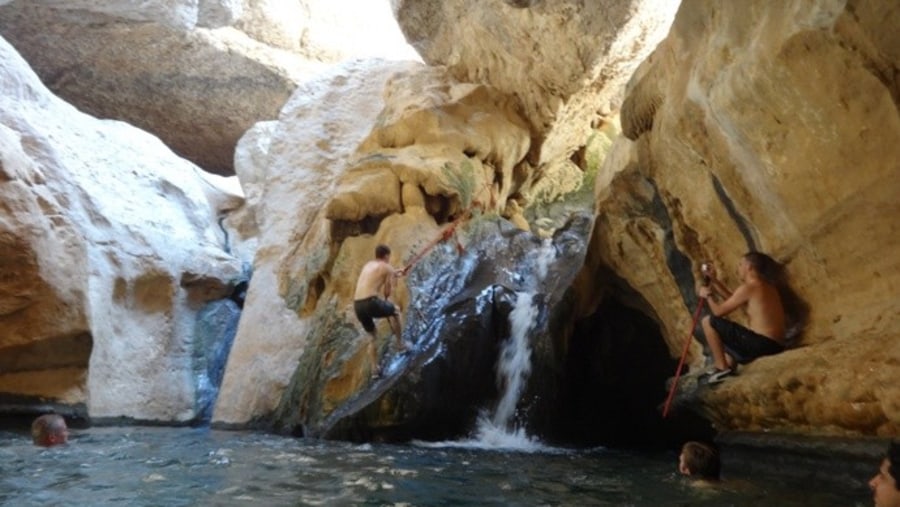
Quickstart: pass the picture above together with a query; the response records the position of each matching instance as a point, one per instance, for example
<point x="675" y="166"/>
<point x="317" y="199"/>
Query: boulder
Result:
<point x="109" y="247"/>
<point x="772" y="127"/>
<point x="567" y="62"/>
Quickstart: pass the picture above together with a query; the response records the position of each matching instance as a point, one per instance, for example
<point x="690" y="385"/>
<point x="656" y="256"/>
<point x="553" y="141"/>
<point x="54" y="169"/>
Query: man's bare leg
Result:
<point x="374" y="357"/>
<point x="394" y="321"/>
<point x="715" y="345"/>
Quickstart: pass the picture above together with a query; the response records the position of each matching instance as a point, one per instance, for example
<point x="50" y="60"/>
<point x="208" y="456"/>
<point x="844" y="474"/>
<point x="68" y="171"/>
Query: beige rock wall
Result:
<point x="566" y="61"/>
<point x="322" y="124"/>
<point x="772" y="126"/>
<point x="344" y="172"/>
<point x="395" y="156"/>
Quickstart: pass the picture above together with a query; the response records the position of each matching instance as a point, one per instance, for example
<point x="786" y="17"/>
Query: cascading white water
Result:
<point x="498" y="429"/>
<point x="515" y="359"/>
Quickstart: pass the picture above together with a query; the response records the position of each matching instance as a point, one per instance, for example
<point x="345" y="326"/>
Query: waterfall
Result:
<point x="499" y="429"/>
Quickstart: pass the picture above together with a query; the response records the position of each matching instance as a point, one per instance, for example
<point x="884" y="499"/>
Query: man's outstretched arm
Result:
<point x="737" y="298"/>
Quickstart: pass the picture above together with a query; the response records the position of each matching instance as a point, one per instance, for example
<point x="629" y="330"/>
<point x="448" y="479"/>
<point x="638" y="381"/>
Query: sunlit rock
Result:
<point x="460" y="144"/>
<point x="196" y="74"/>
<point x="408" y="169"/>
<point x="770" y="126"/>
<point x="109" y="247"/>
<point x="567" y="62"/>
<point x="320" y="127"/>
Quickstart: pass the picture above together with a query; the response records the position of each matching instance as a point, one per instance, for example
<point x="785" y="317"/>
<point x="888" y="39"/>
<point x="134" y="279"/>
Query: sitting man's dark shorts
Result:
<point x="741" y="343"/>
<point x="372" y="308"/>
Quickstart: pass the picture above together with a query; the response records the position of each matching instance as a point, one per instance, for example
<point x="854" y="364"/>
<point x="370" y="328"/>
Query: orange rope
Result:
<point x="443" y="236"/>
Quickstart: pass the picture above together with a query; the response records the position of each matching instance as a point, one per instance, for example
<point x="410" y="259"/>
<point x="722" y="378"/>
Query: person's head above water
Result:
<point x="885" y="485"/>
<point x="699" y="460"/>
<point x="49" y="430"/>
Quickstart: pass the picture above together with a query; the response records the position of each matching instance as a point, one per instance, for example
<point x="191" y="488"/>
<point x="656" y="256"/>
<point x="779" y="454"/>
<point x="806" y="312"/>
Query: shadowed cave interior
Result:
<point x="614" y="385"/>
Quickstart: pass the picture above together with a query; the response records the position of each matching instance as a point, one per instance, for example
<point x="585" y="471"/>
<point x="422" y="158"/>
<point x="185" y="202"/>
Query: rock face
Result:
<point x="440" y="145"/>
<point x="325" y="120"/>
<point x="753" y="125"/>
<point x="109" y="248"/>
<point x="465" y="308"/>
<point x="197" y="89"/>
<point x="434" y="153"/>
<point x="566" y="61"/>
<point x="770" y="126"/>
<point x="196" y="74"/>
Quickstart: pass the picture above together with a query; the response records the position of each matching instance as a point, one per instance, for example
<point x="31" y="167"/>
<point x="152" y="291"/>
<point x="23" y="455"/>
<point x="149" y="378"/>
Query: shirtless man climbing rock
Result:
<point x="732" y="343"/>
<point x="373" y="289"/>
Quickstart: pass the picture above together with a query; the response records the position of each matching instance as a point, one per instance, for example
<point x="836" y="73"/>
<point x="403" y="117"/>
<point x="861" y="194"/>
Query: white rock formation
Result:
<point x="771" y="126"/>
<point x="114" y="242"/>
<point x="196" y="74"/>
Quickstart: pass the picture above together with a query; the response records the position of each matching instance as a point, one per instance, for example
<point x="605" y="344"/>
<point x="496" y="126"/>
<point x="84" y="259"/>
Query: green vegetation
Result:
<point x="463" y="180"/>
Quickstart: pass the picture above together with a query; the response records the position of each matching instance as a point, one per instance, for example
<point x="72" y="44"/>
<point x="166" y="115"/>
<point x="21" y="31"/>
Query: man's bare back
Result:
<point x="371" y="298"/>
<point x="374" y="277"/>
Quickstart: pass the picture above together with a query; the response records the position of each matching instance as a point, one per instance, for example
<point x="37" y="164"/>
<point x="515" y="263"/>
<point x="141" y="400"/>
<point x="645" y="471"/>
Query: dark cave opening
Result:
<point x="614" y="384"/>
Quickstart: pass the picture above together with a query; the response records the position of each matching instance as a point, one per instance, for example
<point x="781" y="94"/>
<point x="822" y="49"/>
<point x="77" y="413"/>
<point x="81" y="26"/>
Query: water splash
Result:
<point x="500" y="429"/>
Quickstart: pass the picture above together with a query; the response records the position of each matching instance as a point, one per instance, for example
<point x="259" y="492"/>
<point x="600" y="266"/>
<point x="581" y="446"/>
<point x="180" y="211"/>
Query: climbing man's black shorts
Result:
<point x="741" y="343"/>
<point x="372" y="308"/>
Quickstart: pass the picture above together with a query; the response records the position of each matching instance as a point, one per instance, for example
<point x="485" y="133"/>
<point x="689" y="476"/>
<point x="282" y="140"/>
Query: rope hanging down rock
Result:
<point x="446" y="234"/>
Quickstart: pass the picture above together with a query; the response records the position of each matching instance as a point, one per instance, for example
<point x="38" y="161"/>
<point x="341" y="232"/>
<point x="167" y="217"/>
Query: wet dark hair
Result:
<point x="701" y="460"/>
<point x="768" y="268"/>
<point x="893" y="455"/>
<point x="796" y="309"/>
<point x="381" y="251"/>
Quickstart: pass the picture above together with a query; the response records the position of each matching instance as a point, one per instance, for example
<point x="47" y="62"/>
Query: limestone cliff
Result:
<point x="771" y="126"/>
<point x="109" y="248"/>
<point x="565" y="61"/>
<point x="395" y="154"/>
<point x="753" y="125"/>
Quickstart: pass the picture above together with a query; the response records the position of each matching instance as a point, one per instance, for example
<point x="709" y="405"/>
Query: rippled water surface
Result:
<point x="169" y="467"/>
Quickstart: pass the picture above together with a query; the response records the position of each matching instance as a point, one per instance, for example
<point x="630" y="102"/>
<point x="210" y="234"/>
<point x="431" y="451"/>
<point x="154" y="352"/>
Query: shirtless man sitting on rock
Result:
<point x="732" y="343"/>
<point x="376" y="280"/>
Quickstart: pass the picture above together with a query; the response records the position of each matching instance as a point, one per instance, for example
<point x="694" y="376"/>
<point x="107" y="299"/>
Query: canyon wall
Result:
<point x="746" y="126"/>
<point x="772" y="127"/>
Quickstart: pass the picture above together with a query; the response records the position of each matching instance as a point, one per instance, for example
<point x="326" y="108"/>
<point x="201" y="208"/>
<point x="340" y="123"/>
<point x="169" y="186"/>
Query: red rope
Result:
<point x="446" y="234"/>
<point x="687" y="344"/>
